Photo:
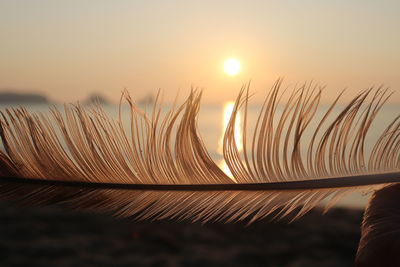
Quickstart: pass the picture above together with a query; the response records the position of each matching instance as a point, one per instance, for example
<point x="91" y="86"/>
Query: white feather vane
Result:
<point x="159" y="168"/>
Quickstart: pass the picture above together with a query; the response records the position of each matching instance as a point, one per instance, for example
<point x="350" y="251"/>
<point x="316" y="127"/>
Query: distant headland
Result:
<point x="9" y="98"/>
<point x="22" y="98"/>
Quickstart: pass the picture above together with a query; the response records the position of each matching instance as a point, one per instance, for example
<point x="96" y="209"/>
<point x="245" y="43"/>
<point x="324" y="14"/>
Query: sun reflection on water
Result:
<point x="227" y="112"/>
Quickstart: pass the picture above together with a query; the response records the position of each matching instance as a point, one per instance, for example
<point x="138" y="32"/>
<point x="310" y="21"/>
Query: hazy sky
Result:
<point x="69" y="49"/>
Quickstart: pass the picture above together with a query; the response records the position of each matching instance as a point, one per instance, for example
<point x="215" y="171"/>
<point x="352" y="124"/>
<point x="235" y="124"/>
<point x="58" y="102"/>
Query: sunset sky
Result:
<point x="70" y="49"/>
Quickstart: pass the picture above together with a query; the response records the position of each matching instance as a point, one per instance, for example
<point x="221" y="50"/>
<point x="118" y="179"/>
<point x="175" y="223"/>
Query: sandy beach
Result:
<point x="54" y="236"/>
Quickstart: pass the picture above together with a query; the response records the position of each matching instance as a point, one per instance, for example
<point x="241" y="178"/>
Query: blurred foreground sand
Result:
<point x="53" y="236"/>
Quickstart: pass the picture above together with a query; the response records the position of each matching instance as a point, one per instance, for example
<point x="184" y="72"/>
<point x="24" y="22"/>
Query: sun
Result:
<point x="232" y="66"/>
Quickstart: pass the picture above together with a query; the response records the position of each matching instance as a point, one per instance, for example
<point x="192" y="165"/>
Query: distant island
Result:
<point x="147" y="100"/>
<point x="96" y="99"/>
<point x="24" y="98"/>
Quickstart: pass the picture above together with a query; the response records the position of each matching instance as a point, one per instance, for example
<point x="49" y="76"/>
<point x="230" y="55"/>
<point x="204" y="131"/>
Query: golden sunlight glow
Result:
<point x="227" y="112"/>
<point x="232" y="66"/>
<point x="224" y="167"/>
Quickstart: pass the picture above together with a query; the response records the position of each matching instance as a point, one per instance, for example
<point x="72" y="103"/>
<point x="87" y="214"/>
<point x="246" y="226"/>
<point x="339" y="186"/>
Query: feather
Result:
<point x="380" y="235"/>
<point x="159" y="168"/>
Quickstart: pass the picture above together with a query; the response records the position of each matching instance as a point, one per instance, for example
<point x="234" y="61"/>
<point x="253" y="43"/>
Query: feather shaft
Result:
<point x="324" y="183"/>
